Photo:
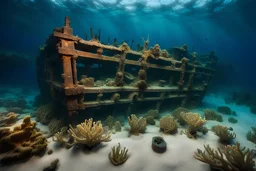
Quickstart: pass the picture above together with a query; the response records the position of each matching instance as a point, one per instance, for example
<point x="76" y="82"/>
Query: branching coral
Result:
<point x="231" y="158"/>
<point x="251" y="135"/>
<point x="156" y="51"/>
<point x="118" y="156"/>
<point x="223" y="133"/>
<point x="194" y="121"/>
<point x="21" y="143"/>
<point x="137" y="125"/>
<point x="176" y="114"/>
<point x="89" y="133"/>
<point x="168" y="124"/>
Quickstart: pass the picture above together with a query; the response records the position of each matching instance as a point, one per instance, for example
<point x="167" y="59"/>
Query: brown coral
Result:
<point x="9" y="119"/>
<point x="21" y="143"/>
<point x="168" y="124"/>
<point x="223" y="133"/>
<point x="44" y="113"/>
<point x="231" y="158"/>
<point x="89" y="133"/>
<point x="176" y="114"/>
<point x="137" y="125"/>
<point x="194" y="121"/>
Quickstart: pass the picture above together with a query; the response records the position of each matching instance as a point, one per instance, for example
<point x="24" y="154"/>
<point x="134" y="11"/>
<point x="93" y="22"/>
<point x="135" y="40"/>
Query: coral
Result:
<point x="142" y="85"/>
<point x="156" y="51"/>
<point x="204" y="130"/>
<point x="150" y="120"/>
<point x="99" y="83"/>
<point x="87" y="82"/>
<point x="133" y="96"/>
<point x="55" y="126"/>
<point x="109" y="122"/>
<point x="158" y="144"/>
<point x="118" y="156"/>
<point x="176" y="114"/>
<point x="223" y="133"/>
<point x="137" y="125"/>
<point x="119" y="79"/>
<point x="53" y="166"/>
<point x="59" y="138"/>
<point x="224" y="110"/>
<point x="89" y="133"/>
<point x="124" y="47"/>
<point x="194" y="121"/>
<point x="164" y="53"/>
<point x="115" y="97"/>
<point x="50" y="151"/>
<point x="22" y="142"/>
<point x="212" y="115"/>
<point x="168" y="124"/>
<point x="231" y="158"/>
<point x="99" y="51"/>
<point x="118" y="127"/>
<point x="142" y="74"/>
<point x="9" y="119"/>
<point x="232" y="120"/>
<point x="146" y="54"/>
<point x="44" y="114"/>
<point x="251" y="135"/>
<point x="154" y="113"/>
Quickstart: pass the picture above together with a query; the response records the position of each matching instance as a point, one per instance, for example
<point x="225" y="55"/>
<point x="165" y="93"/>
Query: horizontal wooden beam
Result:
<point x="74" y="52"/>
<point x="124" y="101"/>
<point x="110" y="47"/>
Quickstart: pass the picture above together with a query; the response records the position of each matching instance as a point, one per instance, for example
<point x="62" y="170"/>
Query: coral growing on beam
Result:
<point x="231" y="158"/>
<point x="118" y="156"/>
<point x="22" y="142"/>
<point x="89" y="133"/>
<point x="137" y="125"/>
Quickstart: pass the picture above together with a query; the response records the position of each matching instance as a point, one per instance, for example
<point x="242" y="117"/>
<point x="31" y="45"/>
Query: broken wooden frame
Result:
<point x="58" y="70"/>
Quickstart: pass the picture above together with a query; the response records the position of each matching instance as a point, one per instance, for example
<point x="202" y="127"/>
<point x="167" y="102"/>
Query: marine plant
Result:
<point x="8" y="119"/>
<point x="212" y="115"/>
<point x="223" y="133"/>
<point x="232" y="120"/>
<point x="118" y="126"/>
<point x="176" y="114"/>
<point x="109" y="121"/>
<point x="194" y="121"/>
<point x="154" y="113"/>
<point x="251" y="135"/>
<point x="44" y="114"/>
<point x="231" y="158"/>
<point x="118" y="156"/>
<point x="137" y="125"/>
<point x="168" y="124"/>
<point x="22" y="142"/>
<point x="89" y="133"/>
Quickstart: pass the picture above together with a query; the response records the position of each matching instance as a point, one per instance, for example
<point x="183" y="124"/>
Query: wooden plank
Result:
<point x="123" y="101"/>
<point x="110" y="47"/>
<point x="74" y="52"/>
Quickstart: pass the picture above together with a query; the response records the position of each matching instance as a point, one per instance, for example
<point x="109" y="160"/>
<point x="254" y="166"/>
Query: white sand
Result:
<point x="178" y="157"/>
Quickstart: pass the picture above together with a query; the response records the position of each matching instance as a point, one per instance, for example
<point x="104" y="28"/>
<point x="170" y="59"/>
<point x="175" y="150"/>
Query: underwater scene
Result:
<point x="127" y="85"/>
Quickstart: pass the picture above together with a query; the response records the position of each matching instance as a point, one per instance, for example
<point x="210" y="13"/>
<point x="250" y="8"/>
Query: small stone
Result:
<point x="50" y="151"/>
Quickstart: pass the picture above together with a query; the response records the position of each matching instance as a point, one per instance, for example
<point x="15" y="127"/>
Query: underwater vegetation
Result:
<point x="212" y="115"/>
<point x="21" y="143"/>
<point x="251" y="135"/>
<point x="230" y="158"/>
<point x="118" y="156"/>
<point x="223" y="133"/>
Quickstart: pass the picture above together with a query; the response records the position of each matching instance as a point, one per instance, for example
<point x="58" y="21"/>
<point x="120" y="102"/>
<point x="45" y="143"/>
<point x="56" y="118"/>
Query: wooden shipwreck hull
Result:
<point x="82" y="74"/>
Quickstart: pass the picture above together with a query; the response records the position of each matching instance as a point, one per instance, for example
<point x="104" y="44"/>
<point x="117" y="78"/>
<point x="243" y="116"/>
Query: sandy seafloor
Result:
<point x="178" y="157"/>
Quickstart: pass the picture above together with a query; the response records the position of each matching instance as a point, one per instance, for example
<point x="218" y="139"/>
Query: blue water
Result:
<point x="225" y="26"/>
